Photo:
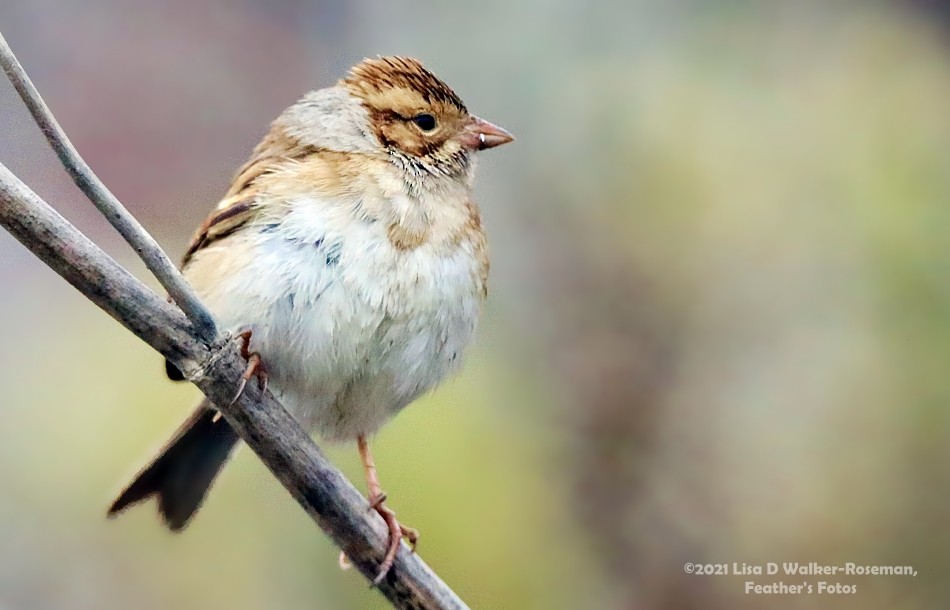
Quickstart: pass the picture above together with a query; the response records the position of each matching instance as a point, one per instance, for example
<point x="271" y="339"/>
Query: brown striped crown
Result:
<point x="374" y="76"/>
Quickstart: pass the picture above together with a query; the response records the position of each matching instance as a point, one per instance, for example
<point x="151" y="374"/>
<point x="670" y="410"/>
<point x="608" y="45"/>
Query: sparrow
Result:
<point x="349" y="259"/>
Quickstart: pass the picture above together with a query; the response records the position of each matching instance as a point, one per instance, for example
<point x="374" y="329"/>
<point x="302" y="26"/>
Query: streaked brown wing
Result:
<point x="223" y="221"/>
<point x="237" y="208"/>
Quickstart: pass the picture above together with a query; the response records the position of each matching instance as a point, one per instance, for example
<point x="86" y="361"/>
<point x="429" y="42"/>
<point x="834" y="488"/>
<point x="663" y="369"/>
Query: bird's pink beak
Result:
<point x="480" y="134"/>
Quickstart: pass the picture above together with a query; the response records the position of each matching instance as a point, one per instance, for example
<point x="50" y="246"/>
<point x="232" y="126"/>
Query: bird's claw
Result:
<point x="397" y="532"/>
<point x="255" y="367"/>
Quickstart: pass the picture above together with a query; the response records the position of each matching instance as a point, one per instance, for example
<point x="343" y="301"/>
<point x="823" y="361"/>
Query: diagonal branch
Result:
<point x="144" y="244"/>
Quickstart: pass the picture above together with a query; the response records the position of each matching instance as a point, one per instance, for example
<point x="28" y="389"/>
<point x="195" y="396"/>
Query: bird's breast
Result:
<point x="352" y="327"/>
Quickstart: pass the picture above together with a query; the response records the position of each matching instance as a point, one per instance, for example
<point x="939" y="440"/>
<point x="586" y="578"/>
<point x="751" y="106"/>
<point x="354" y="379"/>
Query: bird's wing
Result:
<point x="239" y="204"/>
<point x="230" y="215"/>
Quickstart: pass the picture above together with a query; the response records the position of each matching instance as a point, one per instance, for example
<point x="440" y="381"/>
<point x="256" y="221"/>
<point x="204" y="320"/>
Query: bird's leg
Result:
<point x="377" y="501"/>
<point x="254" y="365"/>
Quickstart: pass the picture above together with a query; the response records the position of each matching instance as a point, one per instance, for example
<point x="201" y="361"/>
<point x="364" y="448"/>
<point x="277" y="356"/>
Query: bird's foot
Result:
<point x="397" y="531"/>
<point x="255" y="367"/>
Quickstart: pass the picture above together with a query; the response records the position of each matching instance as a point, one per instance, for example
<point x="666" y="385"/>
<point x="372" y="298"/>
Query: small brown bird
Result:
<point x="349" y="256"/>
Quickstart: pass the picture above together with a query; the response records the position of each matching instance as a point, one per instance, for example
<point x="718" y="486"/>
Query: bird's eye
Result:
<point x="426" y="122"/>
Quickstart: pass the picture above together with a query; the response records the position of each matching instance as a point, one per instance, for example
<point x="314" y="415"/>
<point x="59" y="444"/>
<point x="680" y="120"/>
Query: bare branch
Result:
<point x="271" y="432"/>
<point x="144" y="244"/>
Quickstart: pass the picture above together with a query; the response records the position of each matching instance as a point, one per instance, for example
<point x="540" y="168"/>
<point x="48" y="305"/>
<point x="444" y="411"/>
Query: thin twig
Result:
<point x="144" y="244"/>
<point x="271" y="432"/>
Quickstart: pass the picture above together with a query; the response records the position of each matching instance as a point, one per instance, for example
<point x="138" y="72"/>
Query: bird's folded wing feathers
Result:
<point x="238" y="206"/>
<point x="227" y="218"/>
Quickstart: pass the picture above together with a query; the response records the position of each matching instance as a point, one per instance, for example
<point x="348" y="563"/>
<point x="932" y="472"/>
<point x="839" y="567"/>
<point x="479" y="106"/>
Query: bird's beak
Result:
<point x="480" y="134"/>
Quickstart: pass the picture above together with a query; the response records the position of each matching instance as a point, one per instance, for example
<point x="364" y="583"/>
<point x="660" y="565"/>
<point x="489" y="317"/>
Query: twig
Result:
<point x="144" y="244"/>
<point x="271" y="432"/>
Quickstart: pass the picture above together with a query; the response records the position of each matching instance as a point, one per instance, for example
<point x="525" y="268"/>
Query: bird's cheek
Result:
<point x="407" y="142"/>
<point x="452" y="147"/>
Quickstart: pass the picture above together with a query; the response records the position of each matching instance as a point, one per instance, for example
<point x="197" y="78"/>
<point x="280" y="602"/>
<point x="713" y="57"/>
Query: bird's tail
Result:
<point x="184" y="469"/>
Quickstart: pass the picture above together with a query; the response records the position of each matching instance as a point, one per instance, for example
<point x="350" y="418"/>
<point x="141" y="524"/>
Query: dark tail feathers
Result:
<point x="184" y="469"/>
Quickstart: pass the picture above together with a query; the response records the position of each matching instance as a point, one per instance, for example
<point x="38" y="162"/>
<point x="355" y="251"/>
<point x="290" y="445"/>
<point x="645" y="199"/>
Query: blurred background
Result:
<point x="718" y="331"/>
